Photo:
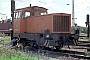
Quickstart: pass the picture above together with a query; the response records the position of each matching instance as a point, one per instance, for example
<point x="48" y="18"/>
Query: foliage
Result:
<point x="8" y="54"/>
<point x="2" y="34"/>
<point x="88" y="53"/>
<point x="11" y="54"/>
<point x="83" y="29"/>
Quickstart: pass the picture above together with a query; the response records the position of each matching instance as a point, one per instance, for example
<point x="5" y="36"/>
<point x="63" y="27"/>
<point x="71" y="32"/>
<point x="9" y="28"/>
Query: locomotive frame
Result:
<point x="54" y="31"/>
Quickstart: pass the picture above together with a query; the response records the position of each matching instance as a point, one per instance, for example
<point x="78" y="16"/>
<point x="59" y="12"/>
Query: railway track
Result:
<point x="68" y="53"/>
<point x="83" y="45"/>
<point x="74" y="54"/>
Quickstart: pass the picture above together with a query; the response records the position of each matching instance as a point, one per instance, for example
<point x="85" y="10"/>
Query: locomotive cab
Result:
<point x="21" y="15"/>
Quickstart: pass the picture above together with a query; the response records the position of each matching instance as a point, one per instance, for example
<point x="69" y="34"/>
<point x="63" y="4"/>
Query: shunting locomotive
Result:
<point x="36" y="27"/>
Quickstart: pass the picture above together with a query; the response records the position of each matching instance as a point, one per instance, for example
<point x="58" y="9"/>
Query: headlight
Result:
<point x="47" y="36"/>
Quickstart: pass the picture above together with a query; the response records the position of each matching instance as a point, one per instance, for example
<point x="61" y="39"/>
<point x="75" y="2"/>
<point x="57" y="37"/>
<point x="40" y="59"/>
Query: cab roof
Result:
<point x="30" y="7"/>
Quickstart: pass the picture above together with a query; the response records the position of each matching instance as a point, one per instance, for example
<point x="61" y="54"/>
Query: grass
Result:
<point x="11" y="54"/>
<point x="8" y="54"/>
<point x="6" y="39"/>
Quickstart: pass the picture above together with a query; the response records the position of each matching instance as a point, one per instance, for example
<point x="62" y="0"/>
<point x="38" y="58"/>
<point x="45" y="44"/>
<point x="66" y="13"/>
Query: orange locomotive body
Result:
<point x="34" y="24"/>
<point x="56" y="23"/>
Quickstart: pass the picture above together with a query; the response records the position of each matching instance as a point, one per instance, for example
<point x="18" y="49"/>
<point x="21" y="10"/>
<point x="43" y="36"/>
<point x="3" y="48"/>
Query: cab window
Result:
<point x="42" y="13"/>
<point x="17" y="15"/>
<point x="25" y="14"/>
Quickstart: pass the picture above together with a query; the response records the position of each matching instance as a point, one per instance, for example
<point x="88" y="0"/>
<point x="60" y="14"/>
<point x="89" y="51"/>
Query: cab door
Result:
<point x="16" y="22"/>
<point x="23" y="21"/>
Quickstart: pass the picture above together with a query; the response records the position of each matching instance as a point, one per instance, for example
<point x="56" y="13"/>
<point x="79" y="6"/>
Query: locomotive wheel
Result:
<point x="59" y="47"/>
